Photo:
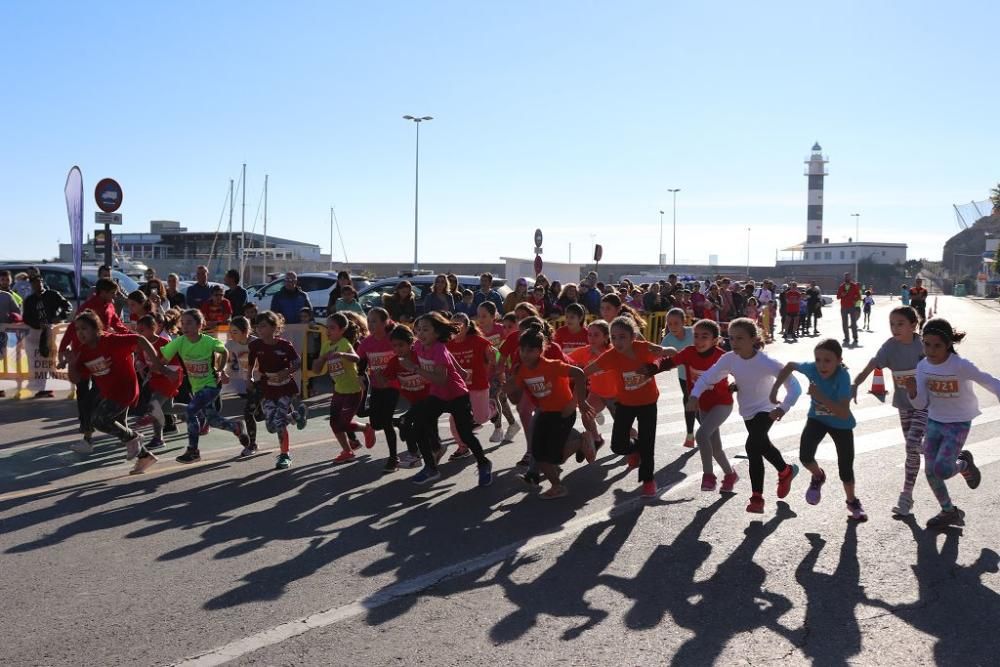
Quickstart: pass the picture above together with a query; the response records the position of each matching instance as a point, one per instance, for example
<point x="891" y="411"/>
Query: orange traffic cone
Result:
<point x="878" y="385"/>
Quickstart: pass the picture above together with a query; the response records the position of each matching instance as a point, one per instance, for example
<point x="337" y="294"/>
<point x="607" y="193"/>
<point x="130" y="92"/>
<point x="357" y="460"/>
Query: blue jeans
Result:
<point x="202" y="406"/>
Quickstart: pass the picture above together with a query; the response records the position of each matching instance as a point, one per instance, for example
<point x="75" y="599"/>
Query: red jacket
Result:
<point x="849" y="295"/>
<point x="107" y="314"/>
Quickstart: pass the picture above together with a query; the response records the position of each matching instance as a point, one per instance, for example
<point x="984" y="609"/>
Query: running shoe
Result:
<point x="345" y="456"/>
<point x="728" y="482"/>
<point x="512" y="431"/>
<point x="814" y="492"/>
<point x="633" y="460"/>
<point x="408" y="460"/>
<point x="904" y="506"/>
<point x="170" y="428"/>
<point x="756" y="504"/>
<point x="708" y="482"/>
<point x="857" y="512"/>
<point x="132" y="447"/>
<point x="143" y="422"/>
<point x="649" y="489"/>
<point x="301" y="416"/>
<point x="426" y="476"/>
<point x="460" y="453"/>
<point x="971" y="473"/>
<point x="241" y="435"/>
<point x="952" y="517"/>
<point x="689" y="440"/>
<point x="354" y="443"/>
<point x="599" y="418"/>
<point x="785" y="478"/>
<point x="554" y="493"/>
<point x="497" y="435"/>
<point x="189" y="456"/>
<point x="587" y="448"/>
<point x="205" y="428"/>
<point x="486" y="474"/>
<point x="284" y="460"/>
<point x="531" y="478"/>
<point x="391" y="465"/>
<point x="525" y="461"/>
<point x="155" y="443"/>
<point x="82" y="446"/>
<point x="249" y="450"/>
<point x="143" y="464"/>
<point x="369" y="436"/>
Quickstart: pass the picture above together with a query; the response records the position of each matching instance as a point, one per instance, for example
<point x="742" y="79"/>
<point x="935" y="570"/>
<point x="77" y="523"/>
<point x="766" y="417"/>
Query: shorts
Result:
<point x="549" y="433"/>
<point x="343" y="408"/>
<point x="277" y="412"/>
<point x="382" y="407"/>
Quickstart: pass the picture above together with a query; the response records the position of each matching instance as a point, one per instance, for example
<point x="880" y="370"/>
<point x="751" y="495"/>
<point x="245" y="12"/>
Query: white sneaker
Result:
<point x="599" y="418"/>
<point x="143" y="464"/>
<point x="83" y="446"/>
<point x="408" y="460"/>
<point x="512" y="430"/>
<point x="497" y="434"/>
<point x="132" y="447"/>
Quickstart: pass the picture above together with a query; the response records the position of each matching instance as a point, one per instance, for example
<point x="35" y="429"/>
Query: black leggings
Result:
<point x="250" y="409"/>
<point x="381" y="408"/>
<point x="621" y="440"/>
<point x="461" y="409"/>
<point x="410" y="430"/>
<point x="689" y="417"/>
<point x="843" y="440"/>
<point x="86" y="395"/>
<point x="760" y="447"/>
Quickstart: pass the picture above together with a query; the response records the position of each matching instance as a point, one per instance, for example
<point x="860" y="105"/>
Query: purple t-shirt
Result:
<point x="437" y="355"/>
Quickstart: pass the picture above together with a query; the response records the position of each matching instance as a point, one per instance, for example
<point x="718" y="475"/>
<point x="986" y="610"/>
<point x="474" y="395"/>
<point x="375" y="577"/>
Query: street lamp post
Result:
<point x="748" y="253"/>
<point x="416" y="187"/>
<point x="674" y="192"/>
<point x="857" y="235"/>
<point x="659" y="257"/>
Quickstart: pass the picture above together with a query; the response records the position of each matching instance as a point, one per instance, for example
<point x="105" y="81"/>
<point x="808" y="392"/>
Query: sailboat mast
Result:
<point x="229" y="236"/>
<point x="263" y="277"/>
<point x="331" y="238"/>
<point x="243" y="220"/>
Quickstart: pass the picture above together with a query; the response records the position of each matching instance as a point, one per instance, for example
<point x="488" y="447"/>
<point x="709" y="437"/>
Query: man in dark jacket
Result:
<point x="236" y="295"/>
<point x="291" y="299"/>
<point x="590" y="298"/>
<point x="42" y="309"/>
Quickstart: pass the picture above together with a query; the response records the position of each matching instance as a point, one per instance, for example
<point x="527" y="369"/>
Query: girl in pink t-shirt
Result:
<point x="376" y="352"/>
<point x="448" y="393"/>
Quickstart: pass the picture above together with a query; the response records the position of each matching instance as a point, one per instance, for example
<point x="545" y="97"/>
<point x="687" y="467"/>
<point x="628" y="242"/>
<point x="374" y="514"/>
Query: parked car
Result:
<point x="59" y="277"/>
<point x="371" y="296"/>
<point x="316" y="285"/>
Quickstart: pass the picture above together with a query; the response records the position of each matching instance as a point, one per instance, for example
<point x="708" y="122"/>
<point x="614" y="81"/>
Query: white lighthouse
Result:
<point x="816" y="172"/>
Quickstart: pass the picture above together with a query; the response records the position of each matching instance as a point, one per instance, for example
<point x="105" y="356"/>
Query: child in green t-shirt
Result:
<point x="341" y="361"/>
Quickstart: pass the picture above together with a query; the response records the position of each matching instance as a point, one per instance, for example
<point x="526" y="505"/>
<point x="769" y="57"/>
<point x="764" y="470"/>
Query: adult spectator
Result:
<point x="236" y="295"/>
<point x="904" y="294"/>
<point x="156" y="293"/>
<point x="519" y="295"/>
<point x="343" y="280"/>
<point x="728" y="311"/>
<point x="10" y="302"/>
<point x="201" y="291"/>
<point x="289" y="301"/>
<point x="175" y="298"/>
<point x="439" y="298"/>
<point x="590" y="298"/>
<point x="487" y="293"/>
<point x="43" y="308"/>
<point x="652" y="301"/>
<point x="849" y="293"/>
<point x="22" y="286"/>
<point x="149" y="275"/>
<point x="454" y="288"/>
<point x="814" y="307"/>
<point x="569" y="294"/>
<point x="592" y="277"/>
<point x="918" y="300"/>
<point x="401" y="304"/>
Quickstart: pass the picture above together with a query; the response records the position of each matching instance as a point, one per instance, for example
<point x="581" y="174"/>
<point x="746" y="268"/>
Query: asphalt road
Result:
<point x="322" y="565"/>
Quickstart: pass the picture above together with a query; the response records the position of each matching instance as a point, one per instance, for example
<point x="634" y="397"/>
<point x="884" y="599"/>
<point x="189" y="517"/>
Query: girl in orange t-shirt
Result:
<point x="546" y="383"/>
<point x="630" y="359"/>
<point x="603" y="385"/>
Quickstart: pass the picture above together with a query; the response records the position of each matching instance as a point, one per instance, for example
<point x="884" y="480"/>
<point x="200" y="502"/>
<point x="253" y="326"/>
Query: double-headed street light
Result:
<point x="416" y="187"/>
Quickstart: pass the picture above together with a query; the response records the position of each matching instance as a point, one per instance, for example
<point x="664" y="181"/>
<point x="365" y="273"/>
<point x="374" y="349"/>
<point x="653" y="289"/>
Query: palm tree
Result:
<point x="995" y="198"/>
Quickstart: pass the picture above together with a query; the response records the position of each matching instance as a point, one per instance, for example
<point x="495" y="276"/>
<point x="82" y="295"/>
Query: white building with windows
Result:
<point x="844" y="253"/>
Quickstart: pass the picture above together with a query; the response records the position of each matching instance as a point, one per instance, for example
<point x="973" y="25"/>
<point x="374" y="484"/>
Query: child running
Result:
<point x="413" y="389"/>
<point x="866" y="307"/>
<point x="901" y="354"/>
<point x="943" y="386"/>
<point x="714" y="405"/>
<point x="341" y="361"/>
<point x="486" y="321"/>
<point x="572" y="335"/>
<point x="162" y="387"/>
<point x="242" y="381"/>
<point x="636" y="399"/>
<point x="108" y="359"/>
<point x="448" y="393"/>
<point x="375" y="352"/>
<point x="829" y="414"/>
<point x="754" y="372"/>
<point x="205" y="360"/>
<point x="603" y="384"/>
<point x="474" y="354"/>
<point x="679" y="337"/>
<point x="547" y="383"/>
<point x="277" y="361"/>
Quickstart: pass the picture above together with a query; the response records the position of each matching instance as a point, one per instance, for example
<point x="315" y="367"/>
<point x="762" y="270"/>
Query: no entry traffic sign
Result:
<point x="108" y="195"/>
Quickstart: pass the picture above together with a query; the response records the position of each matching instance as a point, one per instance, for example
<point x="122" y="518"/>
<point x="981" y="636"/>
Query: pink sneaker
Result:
<point x="708" y="482"/>
<point x="369" y="437"/>
<point x="728" y="482"/>
<point x="649" y="489"/>
<point x="345" y="456"/>
<point x="633" y="460"/>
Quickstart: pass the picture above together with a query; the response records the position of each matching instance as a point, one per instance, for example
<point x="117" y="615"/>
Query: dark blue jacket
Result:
<point x="290" y="304"/>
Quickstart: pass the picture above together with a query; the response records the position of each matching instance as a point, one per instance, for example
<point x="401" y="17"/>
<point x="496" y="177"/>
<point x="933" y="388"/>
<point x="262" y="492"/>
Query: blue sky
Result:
<point x="570" y="116"/>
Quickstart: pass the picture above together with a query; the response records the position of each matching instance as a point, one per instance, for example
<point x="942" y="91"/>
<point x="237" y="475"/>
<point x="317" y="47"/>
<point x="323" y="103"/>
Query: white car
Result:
<point x="316" y="285"/>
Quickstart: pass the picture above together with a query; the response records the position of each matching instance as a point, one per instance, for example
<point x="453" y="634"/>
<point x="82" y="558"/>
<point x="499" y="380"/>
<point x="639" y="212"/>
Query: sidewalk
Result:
<point x="987" y="302"/>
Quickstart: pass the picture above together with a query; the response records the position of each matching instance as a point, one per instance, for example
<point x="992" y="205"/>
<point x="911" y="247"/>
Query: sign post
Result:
<point x="108" y="195"/>
<point x="598" y="253"/>
<point x="538" y="252"/>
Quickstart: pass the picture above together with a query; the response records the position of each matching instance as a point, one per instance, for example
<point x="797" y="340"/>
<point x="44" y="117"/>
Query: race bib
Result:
<point x="538" y="386"/>
<point x="944" y="387"/>
<point x="98" y="367"/>
<point x="275" y="382"/>
<point x="198" y="368"/>
<point x="633" y="380"/>
<point x="899" y="378"/>
<point x="379" y="360"/>
<point x="335" y="366"/>
<point x="411" y="382"/>
<point x="820" y="410"/>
